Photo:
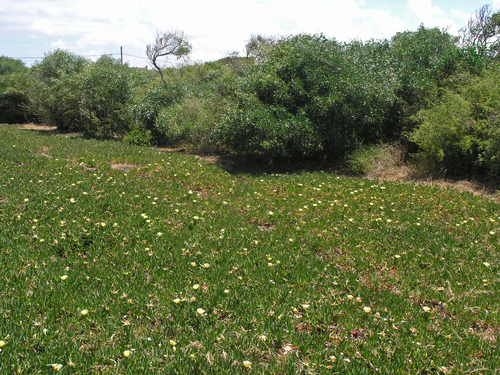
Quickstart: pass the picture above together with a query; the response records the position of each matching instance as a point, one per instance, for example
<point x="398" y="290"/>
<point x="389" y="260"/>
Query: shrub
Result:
<point x="105" y="95"/>
<point x="190" y="121"/>
<point x="55" y="92"/>
<point x="138" y="137"/>
<point x="377" y="159"/>
<point x="330" y="97"/>
<point x="269" y="130"/>
<point x="462" y="132"/>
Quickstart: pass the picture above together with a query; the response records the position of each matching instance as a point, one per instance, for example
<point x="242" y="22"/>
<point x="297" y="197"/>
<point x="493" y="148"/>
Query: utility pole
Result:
<point x="121" y="54"/>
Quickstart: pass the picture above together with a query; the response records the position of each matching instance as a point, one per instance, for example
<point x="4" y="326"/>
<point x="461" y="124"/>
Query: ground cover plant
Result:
<point x="123" y="259"/>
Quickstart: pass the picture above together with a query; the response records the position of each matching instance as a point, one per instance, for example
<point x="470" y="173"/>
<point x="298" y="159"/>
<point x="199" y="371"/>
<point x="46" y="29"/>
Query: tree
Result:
<point x="9" y="65"/>
<point x="55" y="93"/>
<point x="167" y="43"/>
<point x="106" y="92"/>
<point x="258" y="45"/>
<point x="482" y="31"/>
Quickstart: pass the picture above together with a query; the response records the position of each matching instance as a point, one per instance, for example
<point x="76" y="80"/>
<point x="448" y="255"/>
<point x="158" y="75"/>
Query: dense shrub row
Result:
<point x="306" y="95"/>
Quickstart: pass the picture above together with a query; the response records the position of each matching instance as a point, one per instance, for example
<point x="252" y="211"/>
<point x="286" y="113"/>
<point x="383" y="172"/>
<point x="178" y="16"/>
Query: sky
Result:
<point x="91" y="28"/>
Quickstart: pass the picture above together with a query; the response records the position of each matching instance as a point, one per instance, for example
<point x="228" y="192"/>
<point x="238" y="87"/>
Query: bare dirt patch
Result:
<point x="45" y="128"/>
<point x="125" y="167"/>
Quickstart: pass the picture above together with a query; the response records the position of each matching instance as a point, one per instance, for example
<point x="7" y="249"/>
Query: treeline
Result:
<point x="292" y="97"/>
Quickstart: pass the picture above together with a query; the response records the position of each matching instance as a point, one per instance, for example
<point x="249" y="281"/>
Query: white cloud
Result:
<point x="44" y="26"/>
<point x="218" y="26"/>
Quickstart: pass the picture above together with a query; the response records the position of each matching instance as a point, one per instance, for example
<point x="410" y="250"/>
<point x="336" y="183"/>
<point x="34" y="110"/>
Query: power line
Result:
<point x="139" y="57"/>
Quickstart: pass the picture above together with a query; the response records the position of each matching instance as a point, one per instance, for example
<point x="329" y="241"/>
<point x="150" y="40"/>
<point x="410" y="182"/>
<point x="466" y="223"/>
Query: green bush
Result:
<point x="55" y="94"/>
<point x="106" y="92"/>
<point x="462" y="132"/>
<point x="252" y="127"/>
<point x="138" y="137"/>
<point x="313" y="95"/>
<point x="190" y="121"/>
<point x="14" y="82"/>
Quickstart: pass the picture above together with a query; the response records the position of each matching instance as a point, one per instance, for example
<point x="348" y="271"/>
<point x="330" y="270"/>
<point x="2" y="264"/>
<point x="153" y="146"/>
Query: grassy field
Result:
<point x="126" y="260"/>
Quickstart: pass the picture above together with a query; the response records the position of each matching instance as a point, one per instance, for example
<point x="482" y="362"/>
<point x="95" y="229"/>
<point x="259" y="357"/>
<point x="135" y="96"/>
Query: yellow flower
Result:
<point x="486" y="264"/>
<point x="426" y="309"/>
<point x="84" y="312"/>
<point x="126" y="353"/>
<point x="177" y="300"/>
<point x="64" y="277"/>
<point x="305" y="306"/>
<point x="196" y="286"/>
<point x="349" y="297"/>
<point x="172" y="342"/>
<point x="2" y="343"/>
<point x="200" y="311"/>
<point x="367" y="309"/>
<point x="56" y="366"/>
<point x="247" y="363"/>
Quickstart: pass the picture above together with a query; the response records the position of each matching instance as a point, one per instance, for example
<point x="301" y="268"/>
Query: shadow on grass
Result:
<point x="258" y="165"/>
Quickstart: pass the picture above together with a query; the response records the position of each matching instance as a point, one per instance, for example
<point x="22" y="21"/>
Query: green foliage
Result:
<point x="425" y="60"/>
<point x="338" y="95"/>
<point x="9" y="65"/>
<point x="147" y="107"/>
<point x="190" y="121"/>
<point x="14" y="83"/>
<point x="270" y="130"/>
<point x="106" y="93"/>
<point x="55" y="93"/>
<point x="462" y="131"/>
<point x="138" y="137"/>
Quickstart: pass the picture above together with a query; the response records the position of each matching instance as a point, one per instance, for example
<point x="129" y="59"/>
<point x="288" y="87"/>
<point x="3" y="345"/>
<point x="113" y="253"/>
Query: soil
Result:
<point x="232" y="163"/>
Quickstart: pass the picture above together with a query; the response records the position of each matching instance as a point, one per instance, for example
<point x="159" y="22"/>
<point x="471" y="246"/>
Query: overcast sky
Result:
<point x="30" y="28"/>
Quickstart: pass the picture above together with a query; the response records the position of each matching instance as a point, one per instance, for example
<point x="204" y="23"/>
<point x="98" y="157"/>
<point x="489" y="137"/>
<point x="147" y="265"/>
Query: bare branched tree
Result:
<point x="482" y="30"/>
<point x="167" y="43"/>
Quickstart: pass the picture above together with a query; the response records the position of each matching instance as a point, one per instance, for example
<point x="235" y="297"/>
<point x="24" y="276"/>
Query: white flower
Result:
<point x="56" y="366"/>
<point x="367" y="309"/>
<point x="247" y="363"/>
<point x="426" y="309"/>
<point x="305" y="306"/>
<point x="200" y="311"/>
<point x="486" y="264"/>
<point x="84" y="312"/>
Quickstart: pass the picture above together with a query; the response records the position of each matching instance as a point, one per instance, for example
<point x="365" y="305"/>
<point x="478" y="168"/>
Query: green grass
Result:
<point x="284" y="264"/>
